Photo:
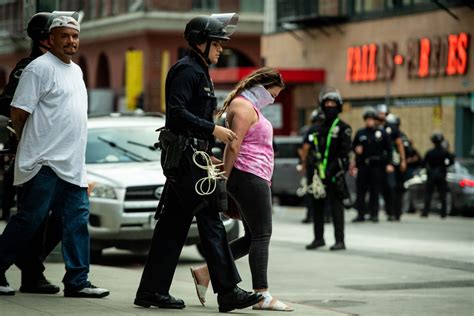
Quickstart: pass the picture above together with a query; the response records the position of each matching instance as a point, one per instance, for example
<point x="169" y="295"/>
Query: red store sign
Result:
<point x="425" y="57"/>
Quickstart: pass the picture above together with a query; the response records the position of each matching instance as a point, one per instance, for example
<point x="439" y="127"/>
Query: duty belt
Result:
<point x="198" y="144"/>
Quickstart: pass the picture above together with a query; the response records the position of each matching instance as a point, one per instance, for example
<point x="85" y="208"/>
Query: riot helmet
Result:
<point x="317" y="117"/>
<point x="437" y="138"/>
<point x="382" y="108"/>
<point x="205" y="29"/>
<point x="38" y="26"/>
<point x="330" y="94"/>
<point x="369" y="112"/>
<point x="392" y="120"/>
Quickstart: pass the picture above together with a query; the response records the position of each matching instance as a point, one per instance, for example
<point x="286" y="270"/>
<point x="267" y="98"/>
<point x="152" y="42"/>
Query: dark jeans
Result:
<point x="253" y="195"/>
<point x="335" y="206"/>
<point x="369" y="178"/>
<point x="45" y="192"/>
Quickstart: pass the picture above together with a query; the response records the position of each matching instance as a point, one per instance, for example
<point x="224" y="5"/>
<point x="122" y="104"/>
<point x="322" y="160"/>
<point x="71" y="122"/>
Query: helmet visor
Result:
<point x="229" y="20"/>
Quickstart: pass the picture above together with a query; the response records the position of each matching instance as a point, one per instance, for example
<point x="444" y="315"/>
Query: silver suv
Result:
<point x="125" y="183"/>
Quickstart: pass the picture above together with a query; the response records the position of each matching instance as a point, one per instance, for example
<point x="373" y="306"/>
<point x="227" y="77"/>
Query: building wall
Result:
<point x="312" y="48"/>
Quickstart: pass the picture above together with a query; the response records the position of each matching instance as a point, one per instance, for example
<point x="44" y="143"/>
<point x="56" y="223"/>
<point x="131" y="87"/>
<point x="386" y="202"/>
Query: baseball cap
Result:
<point x="65" y="21"/>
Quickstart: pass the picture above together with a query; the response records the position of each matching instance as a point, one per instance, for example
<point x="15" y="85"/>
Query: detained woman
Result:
<point x="248" y="165"/>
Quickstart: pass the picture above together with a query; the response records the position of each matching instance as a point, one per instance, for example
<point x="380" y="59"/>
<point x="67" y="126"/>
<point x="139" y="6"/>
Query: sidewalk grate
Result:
<point x="411" y="285"/>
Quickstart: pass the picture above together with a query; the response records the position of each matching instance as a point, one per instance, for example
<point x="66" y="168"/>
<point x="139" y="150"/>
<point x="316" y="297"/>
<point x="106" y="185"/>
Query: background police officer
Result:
<point x="436" y="162"/>
<point x="372" y="150"/>
<point x="397" y="166"/>
<point x="45" y="240"/>
<point x="190" y="104"/>
<point x="331" y="145"/>
<point x="309" y="157"/>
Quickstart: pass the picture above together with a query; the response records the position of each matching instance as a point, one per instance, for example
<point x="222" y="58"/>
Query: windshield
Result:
<point x="121" y="144"/>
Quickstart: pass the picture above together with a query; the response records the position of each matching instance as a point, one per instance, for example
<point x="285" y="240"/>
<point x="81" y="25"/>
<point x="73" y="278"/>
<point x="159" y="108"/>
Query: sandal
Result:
<point x="267" y="305"/>
<point x="200" y="289"/>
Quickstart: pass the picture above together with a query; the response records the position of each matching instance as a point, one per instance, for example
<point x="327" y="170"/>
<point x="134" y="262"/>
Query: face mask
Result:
<point x="331" y="113"/>
<point x="259" y="96"/>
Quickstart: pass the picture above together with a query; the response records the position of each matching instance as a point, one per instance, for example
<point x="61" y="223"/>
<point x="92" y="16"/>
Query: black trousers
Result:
<point x="369" y="179"/>
<point x="172" y="228"/>
<point x="442" y="186"/>
<point x="335" y="206"/>
<point x="392" y="192"/>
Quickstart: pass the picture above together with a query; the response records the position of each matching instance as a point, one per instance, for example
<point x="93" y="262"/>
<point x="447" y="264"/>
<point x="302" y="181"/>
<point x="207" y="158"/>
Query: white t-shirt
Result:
<point x="55" y="133"/>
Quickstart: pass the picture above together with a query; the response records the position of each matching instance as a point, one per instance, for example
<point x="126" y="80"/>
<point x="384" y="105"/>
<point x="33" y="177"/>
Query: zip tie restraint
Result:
<point x="316" y="188"/>
<point x="207" y="185"/>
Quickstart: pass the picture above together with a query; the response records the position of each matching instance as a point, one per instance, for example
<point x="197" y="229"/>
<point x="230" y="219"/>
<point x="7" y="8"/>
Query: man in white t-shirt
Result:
<point x="49" y="115"/>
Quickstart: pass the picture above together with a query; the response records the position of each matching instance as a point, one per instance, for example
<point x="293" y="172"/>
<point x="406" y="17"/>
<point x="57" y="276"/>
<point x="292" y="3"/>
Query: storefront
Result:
<point x="419" y="64"/>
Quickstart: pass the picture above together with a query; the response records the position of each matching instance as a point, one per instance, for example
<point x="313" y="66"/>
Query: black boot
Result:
<point x="40" y="286"/>
<point x="338" y="246"/>
<point x="316" y="244"/>
<point x="159" y="300"/>
<point x="237" y="299"/>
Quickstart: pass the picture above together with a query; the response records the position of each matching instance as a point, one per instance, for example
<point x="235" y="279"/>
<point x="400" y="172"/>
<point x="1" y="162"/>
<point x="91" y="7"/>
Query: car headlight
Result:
<point x="100" y="190"/>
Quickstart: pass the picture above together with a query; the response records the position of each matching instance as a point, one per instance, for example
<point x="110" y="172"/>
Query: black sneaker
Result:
<point x="41" y="286"/>
<point x="5" y="288"/>
<point x="90" y="291"/>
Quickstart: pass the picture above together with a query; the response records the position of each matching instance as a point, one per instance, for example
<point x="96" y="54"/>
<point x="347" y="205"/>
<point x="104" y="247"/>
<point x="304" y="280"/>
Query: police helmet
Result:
<point x="382" y="108"/>
<point x="437" y="138"/>
<point x="202" y="29"/>
<point x="330" y="94"/>
<point x="317" y="116"/>
<point x="392" y="119"/>
<point x="38" y="26"/>
<point x="369" y="112"/>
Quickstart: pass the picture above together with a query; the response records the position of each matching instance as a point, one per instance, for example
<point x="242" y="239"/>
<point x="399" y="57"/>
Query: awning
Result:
<point x="233" y="75"/>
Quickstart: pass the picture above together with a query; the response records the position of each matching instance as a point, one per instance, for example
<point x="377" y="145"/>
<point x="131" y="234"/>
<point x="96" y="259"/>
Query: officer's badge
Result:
<point x="335" y="131"/>
<point x="388" y="130"/>
<point x="310" y="137"/>
<point x="378" y="135"/>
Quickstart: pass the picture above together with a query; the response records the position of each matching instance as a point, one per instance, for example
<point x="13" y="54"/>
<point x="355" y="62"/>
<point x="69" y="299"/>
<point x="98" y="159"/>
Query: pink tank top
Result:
<point x="256" y="150"/>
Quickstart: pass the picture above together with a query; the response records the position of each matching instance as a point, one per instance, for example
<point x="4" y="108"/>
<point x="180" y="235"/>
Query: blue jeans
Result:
<point x="45" y="192"/>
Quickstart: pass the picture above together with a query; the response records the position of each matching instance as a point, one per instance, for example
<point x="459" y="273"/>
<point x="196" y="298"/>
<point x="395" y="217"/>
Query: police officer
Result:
<point x="330" y="147"/>
<point x="310" y="158"/>
<point x="190" y="103"/>
<point x="436" y="162"/>
<point x="372" y="150"/>
<point x="45" y="240"/>
<point x="397" y="166"/>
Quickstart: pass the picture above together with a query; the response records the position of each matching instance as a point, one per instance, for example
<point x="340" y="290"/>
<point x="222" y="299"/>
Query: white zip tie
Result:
<point x="207" y="185"/>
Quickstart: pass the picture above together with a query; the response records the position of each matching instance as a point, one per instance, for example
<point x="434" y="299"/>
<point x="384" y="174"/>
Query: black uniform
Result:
<point x="371" y="164"/>
<point x="436" y="161"/>
<point x="393" y="182"/>
<point x="48" y="235"/>
<point x="190" y="103"/>
<point x="337" y="163"/>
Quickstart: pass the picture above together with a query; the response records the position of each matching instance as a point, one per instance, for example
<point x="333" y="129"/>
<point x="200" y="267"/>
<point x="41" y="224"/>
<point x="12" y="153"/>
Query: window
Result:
<point x="205" y="4"/>
<point x="255" y="6"/>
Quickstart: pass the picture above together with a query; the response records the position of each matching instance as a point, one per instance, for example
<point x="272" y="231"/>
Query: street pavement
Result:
<point x="413" y="267"/>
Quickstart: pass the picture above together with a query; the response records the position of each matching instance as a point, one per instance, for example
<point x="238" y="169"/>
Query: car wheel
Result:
<point x="95" y="255"/>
